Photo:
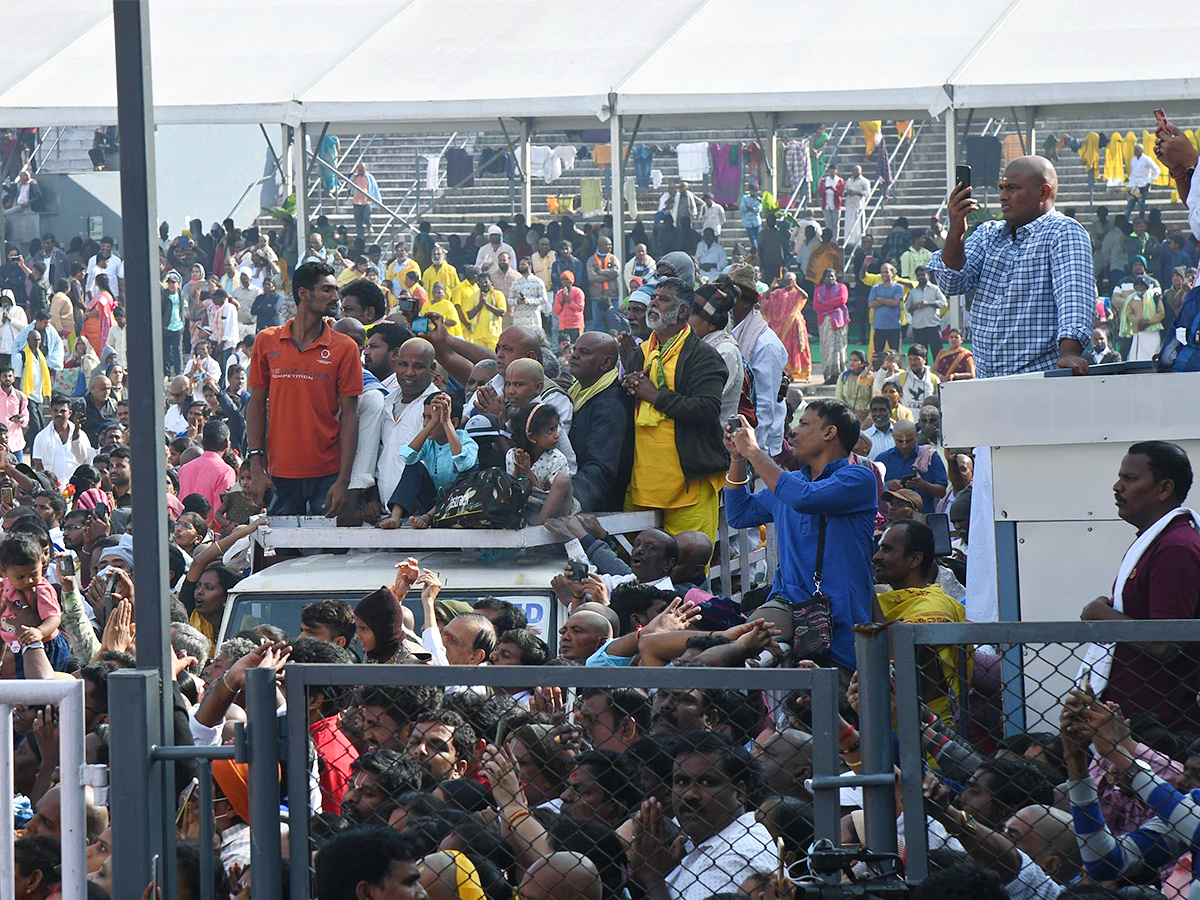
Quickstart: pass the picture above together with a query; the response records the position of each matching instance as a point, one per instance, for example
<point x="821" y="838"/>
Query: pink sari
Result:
<point x="782" y="308"/>
<point x="96" y="330"/>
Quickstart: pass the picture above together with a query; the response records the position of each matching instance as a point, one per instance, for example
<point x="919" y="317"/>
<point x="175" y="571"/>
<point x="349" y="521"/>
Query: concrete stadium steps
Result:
<point x="66" y="151"/>
<point x="397" y="159"/>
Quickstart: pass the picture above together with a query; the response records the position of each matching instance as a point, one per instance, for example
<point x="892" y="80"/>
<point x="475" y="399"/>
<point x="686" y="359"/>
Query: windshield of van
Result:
<point x="283" y="610"/>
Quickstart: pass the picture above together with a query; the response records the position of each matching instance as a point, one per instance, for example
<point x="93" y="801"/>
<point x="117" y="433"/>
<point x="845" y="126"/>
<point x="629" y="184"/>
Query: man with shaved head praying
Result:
<point x="1035" y="288"/>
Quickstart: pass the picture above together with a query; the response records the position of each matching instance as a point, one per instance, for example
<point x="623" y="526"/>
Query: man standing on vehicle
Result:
<point x="313" y="378"/>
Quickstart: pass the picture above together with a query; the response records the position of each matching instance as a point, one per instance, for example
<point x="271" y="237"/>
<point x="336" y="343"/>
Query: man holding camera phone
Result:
<point x="1035" y="287"/>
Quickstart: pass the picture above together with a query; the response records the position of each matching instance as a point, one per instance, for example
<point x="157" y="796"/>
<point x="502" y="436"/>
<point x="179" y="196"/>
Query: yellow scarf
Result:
<point x="580" y="395"/>
<point x="932" y="604"/>
<point x="27" y="374"/>
<point x="657" y="357"/>
<point x="470" y="887"/>
<point x="205" y="627"/>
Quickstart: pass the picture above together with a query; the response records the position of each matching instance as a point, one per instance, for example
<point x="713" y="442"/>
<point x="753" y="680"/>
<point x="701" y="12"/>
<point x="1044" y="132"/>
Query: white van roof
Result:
<point x="362" y="573"/>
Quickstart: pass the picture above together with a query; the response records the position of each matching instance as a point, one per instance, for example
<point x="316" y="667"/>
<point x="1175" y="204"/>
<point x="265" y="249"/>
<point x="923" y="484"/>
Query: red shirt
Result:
<point x="209" y="476"/>
<point x="305" y="388"/>
<point x="335" y="753"/>
<point x="1165" y="584"/>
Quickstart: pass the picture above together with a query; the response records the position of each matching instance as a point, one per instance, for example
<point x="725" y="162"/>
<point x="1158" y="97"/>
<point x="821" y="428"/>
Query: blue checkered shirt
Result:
<point x="1030" y="292"/>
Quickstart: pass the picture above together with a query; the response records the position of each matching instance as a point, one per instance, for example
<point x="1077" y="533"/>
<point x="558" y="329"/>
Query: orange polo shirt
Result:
<point x="304" y="388"/>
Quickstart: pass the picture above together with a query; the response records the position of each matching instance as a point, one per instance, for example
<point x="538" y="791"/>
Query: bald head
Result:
<point x="594" y="354"/>
<point x="1037" y="167"/>
<point x="1028" y="190"/>
<point x="786" y="758"/>
<point x="614" y="621"/>
<point x="418" y="348"/>
<point x="582" y="635"/>
<point x="516" y="342"/>
<point x="353" y="329"/>
<point x="904" y="426"/>
<point x="1046" y="835"/>
<point x="695" y="551"/>
<point x="526" y="368"/>
<point x="561" y="876"/>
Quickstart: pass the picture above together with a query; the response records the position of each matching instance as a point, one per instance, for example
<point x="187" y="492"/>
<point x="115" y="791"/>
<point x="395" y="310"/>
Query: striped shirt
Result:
<point x="1157" y="845"/>
<point x="1032" y="289"/>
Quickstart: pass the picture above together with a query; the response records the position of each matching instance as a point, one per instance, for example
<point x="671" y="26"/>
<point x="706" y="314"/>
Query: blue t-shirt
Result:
<point x="896" y="466"/>
<point x="886" y="317"/>
<point x="266" y="310"/>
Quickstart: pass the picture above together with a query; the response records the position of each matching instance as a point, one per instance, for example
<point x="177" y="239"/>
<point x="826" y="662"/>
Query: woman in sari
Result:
<point x="955" y="363"/>
<point x="98" y="315"/>
<point x="782" y="307"/>
<point x="853" y="388"/>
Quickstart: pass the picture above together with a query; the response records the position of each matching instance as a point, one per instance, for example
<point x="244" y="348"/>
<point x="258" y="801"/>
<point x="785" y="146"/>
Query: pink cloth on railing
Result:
<point x="726" y="173"/>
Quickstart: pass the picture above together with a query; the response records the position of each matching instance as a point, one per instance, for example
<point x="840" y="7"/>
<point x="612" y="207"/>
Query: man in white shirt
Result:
<point x="712" y="215"/>
<point x="926" y="305"/>
<point x="245" y="294"/>
<point x="684" y="204"/>
<point x="175" y="419"/>
<point x="115" y="270"/>
<point x="117" y="338"/>
<point x="201" y="368"/>
<point x="1143" y="172"/>
<point x="403" y="411"/>
<point x="765" y="354"/>
<point x="724" y="843"/>
<point x="222" y="327"/>
<point x="488" y="256"/>
<point x="62" y="447"/>
<point x="655" y="553"/>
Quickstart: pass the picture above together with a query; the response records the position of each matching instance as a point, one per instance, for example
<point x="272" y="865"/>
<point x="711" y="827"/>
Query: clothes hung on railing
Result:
<point x="460" y="167"/>
<point x="726" y="173"/>
<point x="693" y="161"/>
<point x="432" y="174"/>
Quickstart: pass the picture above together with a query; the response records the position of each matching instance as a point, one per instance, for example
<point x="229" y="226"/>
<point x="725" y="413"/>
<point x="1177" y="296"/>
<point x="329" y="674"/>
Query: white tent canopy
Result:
<point x="450" y="62"/>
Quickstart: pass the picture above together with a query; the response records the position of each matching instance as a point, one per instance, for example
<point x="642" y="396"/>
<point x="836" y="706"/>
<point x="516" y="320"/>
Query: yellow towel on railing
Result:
<point x="870" y="132"/>
<point x="1127" y="144"/>
<point x="1114" y="161"/>
<point x="903" y="129"/>
<point x="1089" y="152"/>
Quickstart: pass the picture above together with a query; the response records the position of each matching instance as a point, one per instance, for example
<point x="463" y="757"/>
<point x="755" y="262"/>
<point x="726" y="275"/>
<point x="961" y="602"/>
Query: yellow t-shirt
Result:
<point x="447" y="275"/>
<point x="348" y="275"/>
<point x="485" y="328"/>
<point x="449" y="312"/>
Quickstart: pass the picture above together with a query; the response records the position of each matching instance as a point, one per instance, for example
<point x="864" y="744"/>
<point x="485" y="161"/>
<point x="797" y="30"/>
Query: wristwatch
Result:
<point x="254" y="453"/>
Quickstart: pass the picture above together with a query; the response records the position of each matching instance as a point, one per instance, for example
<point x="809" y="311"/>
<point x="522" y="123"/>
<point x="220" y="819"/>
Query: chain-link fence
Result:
<point x="1048" y="752"/>
<point x="614" y="781"/>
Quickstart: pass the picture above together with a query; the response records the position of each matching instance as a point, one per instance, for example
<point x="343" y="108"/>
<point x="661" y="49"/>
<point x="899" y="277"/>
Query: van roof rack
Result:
<point x="319" y="533"/>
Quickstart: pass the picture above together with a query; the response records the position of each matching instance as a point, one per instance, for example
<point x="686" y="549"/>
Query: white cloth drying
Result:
<point x="656" y="178"/>
<point x="544" y="163"/>
<point x="432" y="176"/>
<point x="693" y="160"/>
<point x="566" y="154"/>
<point x="629" y="194"/>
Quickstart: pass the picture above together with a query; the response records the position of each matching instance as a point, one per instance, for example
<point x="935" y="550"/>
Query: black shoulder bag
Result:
<point x="812" y="622"/>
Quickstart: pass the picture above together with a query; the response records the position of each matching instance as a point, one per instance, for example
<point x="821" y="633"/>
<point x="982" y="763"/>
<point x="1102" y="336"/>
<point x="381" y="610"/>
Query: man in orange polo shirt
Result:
<point x="313" y="378"/>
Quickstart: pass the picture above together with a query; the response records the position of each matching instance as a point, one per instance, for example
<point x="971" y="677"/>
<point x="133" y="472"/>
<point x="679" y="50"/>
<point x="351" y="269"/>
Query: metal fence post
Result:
<point x="826" y="800"/>
<point x="297" y="786"/>
<point x="137" y="824"/>
<point x="263" y="732"/>
<point x="875" y="728"/>
<point x="912" y="753"/>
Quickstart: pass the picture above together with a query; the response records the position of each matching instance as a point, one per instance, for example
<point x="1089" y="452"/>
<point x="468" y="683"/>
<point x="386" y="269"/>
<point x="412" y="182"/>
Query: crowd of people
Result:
<point x="375" y="385"/>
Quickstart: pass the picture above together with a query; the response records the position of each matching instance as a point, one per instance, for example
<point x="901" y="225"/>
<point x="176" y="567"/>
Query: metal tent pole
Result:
<point x="135" y="121"/>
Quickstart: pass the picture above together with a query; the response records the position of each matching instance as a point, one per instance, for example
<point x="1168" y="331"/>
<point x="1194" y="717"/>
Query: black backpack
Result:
<point x="486" y="498"/>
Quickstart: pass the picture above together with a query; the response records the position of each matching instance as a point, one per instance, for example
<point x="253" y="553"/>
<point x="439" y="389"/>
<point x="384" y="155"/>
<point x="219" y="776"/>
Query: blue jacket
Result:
<point x="846" y="496"/>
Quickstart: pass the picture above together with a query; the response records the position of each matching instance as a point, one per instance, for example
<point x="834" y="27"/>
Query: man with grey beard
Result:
<point x="676" y="381"/>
